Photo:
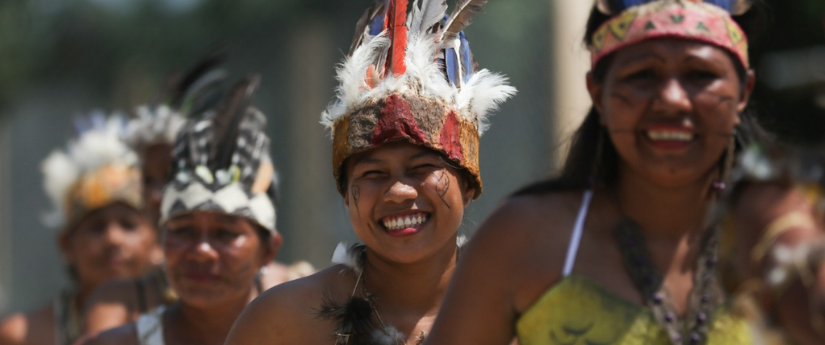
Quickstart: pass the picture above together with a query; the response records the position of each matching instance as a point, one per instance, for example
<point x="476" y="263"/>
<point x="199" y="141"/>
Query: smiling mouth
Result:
<point x="404" y="222"/>
<point x="670" y="135"/>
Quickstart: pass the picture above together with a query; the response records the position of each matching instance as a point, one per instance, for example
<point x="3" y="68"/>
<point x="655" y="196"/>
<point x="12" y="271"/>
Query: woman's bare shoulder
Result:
<point x="123" y="335"/>
<point x="35" y="327"/>
<point x="525" y="218"/>
<point x="530" y="232"/>
<point x="289" y="312"/>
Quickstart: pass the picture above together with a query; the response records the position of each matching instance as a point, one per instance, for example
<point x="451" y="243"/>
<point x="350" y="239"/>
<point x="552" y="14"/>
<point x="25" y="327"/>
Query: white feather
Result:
<point x="482" y="94"/>
<point x="153" y="126"/>
<point x="474" y="100"/>
<point x="342" y="256"/>
<point x="95" y="148"/>
<point x="351" y="75"/>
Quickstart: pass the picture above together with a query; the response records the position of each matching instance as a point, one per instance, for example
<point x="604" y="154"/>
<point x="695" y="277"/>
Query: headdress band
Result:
<point x="697" y="21"/>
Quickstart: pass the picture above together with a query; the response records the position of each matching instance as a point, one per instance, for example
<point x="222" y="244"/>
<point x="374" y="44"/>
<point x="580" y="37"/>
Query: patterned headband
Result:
<point x="697" y="21"/>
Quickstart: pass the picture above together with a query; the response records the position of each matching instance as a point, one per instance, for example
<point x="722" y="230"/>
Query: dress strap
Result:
<point x="576" y="237"/>
<point x="150" y="327"/>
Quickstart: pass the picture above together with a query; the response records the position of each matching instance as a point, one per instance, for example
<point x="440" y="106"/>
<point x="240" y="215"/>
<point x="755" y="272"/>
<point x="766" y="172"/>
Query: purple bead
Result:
<point x="719" y="186"/>
<point x="701" y="318"/>
<point x="705" y="298"/>
<point x="711" y="262"/>
<point x="658" y="299"/>
<point x="694" y="338"/>
<point x="669" y="317"/>
<point x="677" y="337"/>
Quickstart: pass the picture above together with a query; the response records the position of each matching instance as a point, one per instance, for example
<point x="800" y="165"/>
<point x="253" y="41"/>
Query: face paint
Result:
<point x="442" y="187"/>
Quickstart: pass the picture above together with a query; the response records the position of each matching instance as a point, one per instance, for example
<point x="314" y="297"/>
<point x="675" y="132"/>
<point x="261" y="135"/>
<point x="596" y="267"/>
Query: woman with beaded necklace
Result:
<point x="621" y="249"/>
<point x="405" y="129"/>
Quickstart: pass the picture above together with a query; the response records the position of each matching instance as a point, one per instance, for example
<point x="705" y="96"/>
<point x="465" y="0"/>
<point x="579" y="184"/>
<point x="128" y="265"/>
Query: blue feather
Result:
<point x="466" y="57"/>
<point x="377" y="25"/>
<point x="451" y="63"/>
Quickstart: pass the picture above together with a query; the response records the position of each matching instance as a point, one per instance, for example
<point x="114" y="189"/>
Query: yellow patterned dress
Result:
<point x="578" y="311"/>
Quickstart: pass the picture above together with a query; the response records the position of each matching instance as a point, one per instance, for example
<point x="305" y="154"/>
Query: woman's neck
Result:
<point x="210" y="325"/>
<point x="665" y="213"/>
<point x="415" y="287"/>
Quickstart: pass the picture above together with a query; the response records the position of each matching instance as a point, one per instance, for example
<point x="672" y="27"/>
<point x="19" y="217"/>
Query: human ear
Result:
<point x="64" y="242"/>
<point x="271" y="248"/>
<point x="594" y="88"/>
<point x="747" y="90"/>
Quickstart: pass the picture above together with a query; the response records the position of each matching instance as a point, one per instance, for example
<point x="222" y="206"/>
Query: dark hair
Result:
<point x="580" y="169"/>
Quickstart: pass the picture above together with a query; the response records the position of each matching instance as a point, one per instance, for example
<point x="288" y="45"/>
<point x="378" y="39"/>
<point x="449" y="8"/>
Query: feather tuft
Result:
<point x="353" y="319"/>
<point x="482" y="94"/>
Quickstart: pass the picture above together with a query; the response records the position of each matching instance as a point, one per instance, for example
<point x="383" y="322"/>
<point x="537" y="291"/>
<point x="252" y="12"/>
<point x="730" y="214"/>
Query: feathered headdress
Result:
<point x="189" y="93"/>
<point x="411" y="76"/>
<point x="222" y="162"/>
<point x="95" y="170"/>
<point x="635" y="21"/>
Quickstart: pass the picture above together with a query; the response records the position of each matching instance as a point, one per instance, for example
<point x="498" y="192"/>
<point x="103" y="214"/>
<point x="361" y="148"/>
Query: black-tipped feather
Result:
<point x="462" y="14"/>
<point x="354" y="320"/>
<point x="183" y="88"/>
<point x="226" y="124"/>
<point x="361" y="27"/>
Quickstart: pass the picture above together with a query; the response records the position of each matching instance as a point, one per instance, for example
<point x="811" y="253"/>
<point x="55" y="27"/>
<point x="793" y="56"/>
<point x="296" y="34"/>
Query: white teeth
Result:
<point x="398" y="223"/>
<point x="670" y="135"/>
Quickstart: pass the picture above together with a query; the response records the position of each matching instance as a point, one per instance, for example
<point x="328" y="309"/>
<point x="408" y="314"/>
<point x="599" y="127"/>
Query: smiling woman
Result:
<point x="621" y="248"/>
<point x="410" y="110"/>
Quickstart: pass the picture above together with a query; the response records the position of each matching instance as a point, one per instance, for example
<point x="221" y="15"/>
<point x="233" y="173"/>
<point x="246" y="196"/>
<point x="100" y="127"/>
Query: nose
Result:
<point x="204" y="250"/>
<point x="115" y="234"/>
<point x="672" y="98"/>
<point x="400" y="192"/>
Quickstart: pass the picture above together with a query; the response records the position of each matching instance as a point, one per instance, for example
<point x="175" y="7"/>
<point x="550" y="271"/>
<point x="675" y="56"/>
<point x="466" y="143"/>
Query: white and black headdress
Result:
<point x="222" y="163"/>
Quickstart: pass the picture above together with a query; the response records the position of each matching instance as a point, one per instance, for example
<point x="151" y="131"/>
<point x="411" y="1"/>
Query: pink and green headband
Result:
<point x="688" y="19"/>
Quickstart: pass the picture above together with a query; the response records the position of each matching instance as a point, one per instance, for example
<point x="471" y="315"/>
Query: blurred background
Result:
<point x="60" y="59"/>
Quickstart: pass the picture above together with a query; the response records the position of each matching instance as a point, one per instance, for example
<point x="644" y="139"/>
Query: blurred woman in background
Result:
<point x="95" y="186"/>
<point x="621" y="249"/>
<point x="152" y="135"/>
<point x="411" y="107"/>
<point x="218" y="220"/>
<point x="776" y="251"/>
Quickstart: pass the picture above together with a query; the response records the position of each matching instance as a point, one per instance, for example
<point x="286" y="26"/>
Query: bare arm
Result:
<point x="501" y="272"/>
<point x="36" y="327"/>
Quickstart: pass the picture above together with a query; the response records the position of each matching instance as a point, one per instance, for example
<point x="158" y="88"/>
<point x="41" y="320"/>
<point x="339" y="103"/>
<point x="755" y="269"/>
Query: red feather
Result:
<point x="397" y="30"/>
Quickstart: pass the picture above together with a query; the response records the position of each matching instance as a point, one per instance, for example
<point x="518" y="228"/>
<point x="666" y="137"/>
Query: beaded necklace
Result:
<point x="705" y="297"/>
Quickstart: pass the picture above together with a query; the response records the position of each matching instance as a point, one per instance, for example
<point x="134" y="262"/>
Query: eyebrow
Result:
<point x="702" y="59"/>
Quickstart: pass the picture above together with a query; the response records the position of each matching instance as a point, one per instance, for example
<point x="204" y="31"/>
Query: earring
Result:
<point x="727" y="165"/>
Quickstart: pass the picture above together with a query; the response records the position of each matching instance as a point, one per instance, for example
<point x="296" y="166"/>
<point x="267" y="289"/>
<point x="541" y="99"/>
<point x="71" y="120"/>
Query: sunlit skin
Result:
<point x="114" y="241"/>
<point x="675" y="86"/>
<point x="391" y="187"/>
<point x="407" y="268"/>
<point x="664" y="185"/>
<point x="211" y="262"/>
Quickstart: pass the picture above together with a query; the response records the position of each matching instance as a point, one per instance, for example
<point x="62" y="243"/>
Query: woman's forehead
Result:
<point x="674" y="50"/>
